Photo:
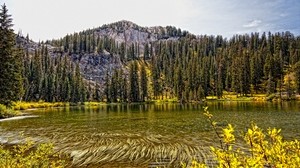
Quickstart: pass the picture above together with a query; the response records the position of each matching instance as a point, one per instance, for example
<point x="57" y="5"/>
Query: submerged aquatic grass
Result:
<point x="154" y="150"/>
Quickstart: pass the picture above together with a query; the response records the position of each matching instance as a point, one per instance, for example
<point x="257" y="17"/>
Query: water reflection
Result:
<point x="148" y="127"/>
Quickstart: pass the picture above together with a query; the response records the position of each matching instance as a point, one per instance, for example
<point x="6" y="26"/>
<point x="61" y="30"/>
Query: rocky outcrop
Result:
<point x="128" y="32"/>
<point x="30" y="45"/>
<point x="95" y="67"/>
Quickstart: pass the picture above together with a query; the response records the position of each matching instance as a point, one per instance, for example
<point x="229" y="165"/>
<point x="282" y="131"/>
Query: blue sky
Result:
<point x="48" y="19"/>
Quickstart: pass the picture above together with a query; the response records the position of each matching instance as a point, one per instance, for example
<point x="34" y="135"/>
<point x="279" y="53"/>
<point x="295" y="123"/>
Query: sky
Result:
<point x="52" y="19"/>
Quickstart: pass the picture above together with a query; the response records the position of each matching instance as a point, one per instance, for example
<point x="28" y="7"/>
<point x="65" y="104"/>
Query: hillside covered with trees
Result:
<point x="123" y="62"/>
<point x="188" y="67"/>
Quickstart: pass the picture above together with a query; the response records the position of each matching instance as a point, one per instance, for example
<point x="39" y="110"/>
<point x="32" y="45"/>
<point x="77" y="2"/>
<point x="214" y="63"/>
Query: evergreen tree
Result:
<point x="97" y="93"/>
<point x="146" y="52"/>
<point x="134" y="91"/>
<point x="114" y="86"/>
<point x="122" y="52"/>
<point x="78" y="92"/>
<point x="144" y="84"/>
<point x="10" y="61"/>
<point x="297" y="76"/>
<point x="107" y="88"/>
<point x="124" y="90"/>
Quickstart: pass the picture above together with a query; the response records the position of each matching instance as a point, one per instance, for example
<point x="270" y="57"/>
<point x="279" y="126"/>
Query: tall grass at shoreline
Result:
<point x="40" y="104"/>
<point x="6" y="112"/>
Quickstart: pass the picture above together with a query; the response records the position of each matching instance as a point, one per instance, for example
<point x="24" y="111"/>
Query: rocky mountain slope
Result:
<point x="129" y="32"/>
<point x="95" y="65"/>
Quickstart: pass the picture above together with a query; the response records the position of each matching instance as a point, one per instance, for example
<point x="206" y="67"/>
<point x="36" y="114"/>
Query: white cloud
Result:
<point x="253" y="23"/>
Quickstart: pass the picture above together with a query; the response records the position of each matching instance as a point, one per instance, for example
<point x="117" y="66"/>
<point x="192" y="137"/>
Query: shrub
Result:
<point x="39" y="104"/>
<point x="266" y="149"/>
<point x="7" y="112"/>
<point x="24" y="155"/>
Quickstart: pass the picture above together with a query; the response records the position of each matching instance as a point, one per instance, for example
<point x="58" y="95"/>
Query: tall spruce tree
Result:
<point x="297" y="76"/>
<point x="144" y="83"/>
<point x="10" y="61"/>
<point x="134" y="91"/>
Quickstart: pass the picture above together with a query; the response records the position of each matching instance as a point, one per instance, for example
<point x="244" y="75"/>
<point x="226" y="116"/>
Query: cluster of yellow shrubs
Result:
<point x="40" y="104"/>
<point x="266" y="149"/>
<point x="27" y="155"/>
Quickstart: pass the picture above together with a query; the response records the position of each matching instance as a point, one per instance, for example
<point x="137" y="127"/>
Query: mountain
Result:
<point x="127" y="62"/>
<point x="95" y="64"/>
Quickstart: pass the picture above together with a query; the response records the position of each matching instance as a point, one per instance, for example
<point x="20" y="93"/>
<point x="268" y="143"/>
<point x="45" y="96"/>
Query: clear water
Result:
<point x="120" y="133"/>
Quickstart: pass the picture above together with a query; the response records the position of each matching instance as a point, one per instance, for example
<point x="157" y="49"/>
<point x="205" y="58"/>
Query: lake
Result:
<point x="145" y="135"/>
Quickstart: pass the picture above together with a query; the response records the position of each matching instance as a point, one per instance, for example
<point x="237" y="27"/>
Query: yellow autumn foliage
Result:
<point x="265" y="149"/>
<point x="24" y="155"/>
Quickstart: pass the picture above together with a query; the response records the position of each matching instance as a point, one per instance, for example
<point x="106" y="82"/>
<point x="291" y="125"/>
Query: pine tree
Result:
<point x="144" y="84"/>
<point x="179" y="84"/>
<point x="107" y="88"/>
<point x="146" y="52"/>
<point x="97" y="95"/>
<point x="10" y="61"/>
<point x="134" y="91"/>
<point x="77" y="89"/>
<point x="66" y="88"/>
<point x="114" y="86"/>
<point x="122" y="52"/>
<point x="297" y="76"/>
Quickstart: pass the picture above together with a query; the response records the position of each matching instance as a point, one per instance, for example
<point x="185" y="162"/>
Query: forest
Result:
<point x="165" y="63"/>
<point x="190" y="67"/>
<point x="178" y="65"/>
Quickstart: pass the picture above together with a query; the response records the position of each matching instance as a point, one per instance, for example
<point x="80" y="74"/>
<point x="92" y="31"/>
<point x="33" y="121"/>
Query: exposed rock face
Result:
<point x="29" y="45"/>
<point x="128" y="32"/>
<point x="94" y="67"/>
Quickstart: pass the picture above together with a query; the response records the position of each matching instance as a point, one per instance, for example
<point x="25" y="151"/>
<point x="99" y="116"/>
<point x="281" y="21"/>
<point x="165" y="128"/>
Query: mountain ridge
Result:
<point x="95" y="65"/>
<point x="196" y="65"/>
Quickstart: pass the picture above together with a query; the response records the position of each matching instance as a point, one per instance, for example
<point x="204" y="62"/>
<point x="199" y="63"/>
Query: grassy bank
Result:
<point x="231" y="96"/>
<point x="40" y="104"/>
<point x="7" y="112"/>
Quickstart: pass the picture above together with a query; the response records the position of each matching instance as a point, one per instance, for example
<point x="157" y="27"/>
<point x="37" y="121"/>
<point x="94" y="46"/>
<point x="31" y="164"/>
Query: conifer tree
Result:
<point x="10" y="61"/>
<point x="297" y="76"/>
<point x="144" y="84"/>
<point x="97" y="95"/>
<point x="134" y="91"/>
<point x="146" y="52"/>
<point x="107" y="88"/>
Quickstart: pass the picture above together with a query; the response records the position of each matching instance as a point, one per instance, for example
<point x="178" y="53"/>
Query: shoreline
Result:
<point x="19" y="117"/>
<point x="17" y="111"/>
